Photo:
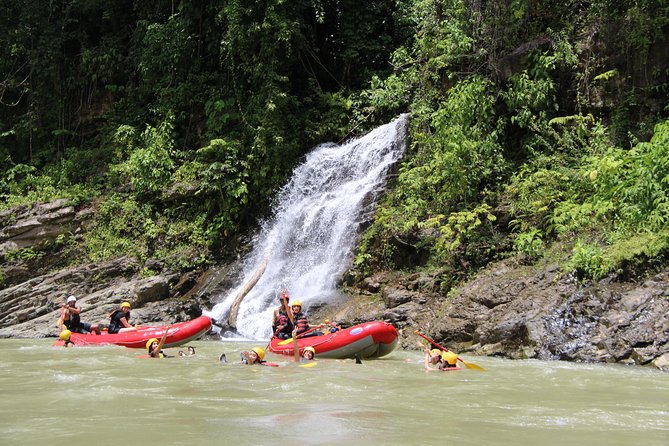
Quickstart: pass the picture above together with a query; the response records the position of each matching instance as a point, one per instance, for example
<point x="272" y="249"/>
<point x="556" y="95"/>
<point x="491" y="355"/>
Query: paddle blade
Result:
<point x="287" y="341"/>
<point x="308" y="364"/>
<point x="472" y="366"/>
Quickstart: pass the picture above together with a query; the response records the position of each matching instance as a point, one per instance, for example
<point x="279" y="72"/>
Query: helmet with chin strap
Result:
<point x="260" y="352"/>
<point x="150" y="342"/>
<point x="449" y="357"/>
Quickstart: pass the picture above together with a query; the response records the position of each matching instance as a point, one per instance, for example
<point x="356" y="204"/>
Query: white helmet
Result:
<point x="71" y="299"/>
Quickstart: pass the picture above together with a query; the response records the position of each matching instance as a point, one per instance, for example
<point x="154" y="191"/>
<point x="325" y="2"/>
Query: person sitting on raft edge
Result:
<point x="119" y="320"/>
<point x="302" y="324"/>
<point x="70" y="319"/>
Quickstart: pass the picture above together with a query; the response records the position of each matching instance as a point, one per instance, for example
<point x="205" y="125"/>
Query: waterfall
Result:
<point x="313" y="231"/>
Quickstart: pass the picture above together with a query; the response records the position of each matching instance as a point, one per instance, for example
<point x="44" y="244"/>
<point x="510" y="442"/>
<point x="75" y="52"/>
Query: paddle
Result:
<point x="308" y="364"/>
<point x="289" y="340"/>
<point x="469" y="365"/>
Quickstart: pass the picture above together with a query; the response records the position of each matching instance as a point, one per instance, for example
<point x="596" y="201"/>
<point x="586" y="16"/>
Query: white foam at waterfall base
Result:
<point x="313" y="232"/>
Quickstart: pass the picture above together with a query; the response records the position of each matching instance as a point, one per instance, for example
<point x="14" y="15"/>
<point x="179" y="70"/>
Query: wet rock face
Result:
<point x="547" y="317"/>
<point x="519" y="312"/>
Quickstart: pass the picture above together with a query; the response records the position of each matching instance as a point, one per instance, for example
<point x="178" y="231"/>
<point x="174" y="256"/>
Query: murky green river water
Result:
<point x="108" y="395"/>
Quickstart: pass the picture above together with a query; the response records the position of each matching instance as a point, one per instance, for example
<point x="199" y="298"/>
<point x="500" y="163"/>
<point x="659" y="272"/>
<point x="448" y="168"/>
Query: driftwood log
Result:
<point x="232" y="318"/>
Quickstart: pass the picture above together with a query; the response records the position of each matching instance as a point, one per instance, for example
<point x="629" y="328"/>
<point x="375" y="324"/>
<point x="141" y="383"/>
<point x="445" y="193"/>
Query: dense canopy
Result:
<point x="538" y="128"/>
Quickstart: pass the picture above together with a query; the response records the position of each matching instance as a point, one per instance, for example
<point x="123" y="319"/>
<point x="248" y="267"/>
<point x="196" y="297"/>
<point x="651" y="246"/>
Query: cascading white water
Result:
<point x="310" y="239"/>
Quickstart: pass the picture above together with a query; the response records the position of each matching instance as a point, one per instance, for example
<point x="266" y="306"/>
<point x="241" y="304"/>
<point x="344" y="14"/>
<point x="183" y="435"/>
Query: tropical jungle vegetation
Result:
<point x="539" y="129"/>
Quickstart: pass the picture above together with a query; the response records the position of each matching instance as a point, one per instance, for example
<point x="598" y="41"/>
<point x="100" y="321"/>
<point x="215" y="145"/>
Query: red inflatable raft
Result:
<point x="369" y="340"/>
<point x="177" y="334"/>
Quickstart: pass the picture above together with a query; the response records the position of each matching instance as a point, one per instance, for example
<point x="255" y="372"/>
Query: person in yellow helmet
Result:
<point x="309" y="353"/>
<point x="444" y="360"/>
<point x="155" y="347"/>
<point x="119" y="320"/>
<point x="302" y="326"/>
<point x="65" y="337"/>
<point x="432" y="358"/>
<point x="449" y="361"/>
<point x="254" y="356"/>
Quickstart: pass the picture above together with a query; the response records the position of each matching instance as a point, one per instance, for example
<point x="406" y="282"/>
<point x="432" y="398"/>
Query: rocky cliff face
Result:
<point x="506" y="310"/>
<point x="521" y="312"/>
<point x="35" y="286"/>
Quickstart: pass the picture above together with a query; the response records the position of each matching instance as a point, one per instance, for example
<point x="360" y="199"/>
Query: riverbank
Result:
<point x="507" y="310"/>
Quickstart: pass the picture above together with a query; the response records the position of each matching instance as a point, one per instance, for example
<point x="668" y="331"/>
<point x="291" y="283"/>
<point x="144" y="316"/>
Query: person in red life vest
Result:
<point x="119" y="320"/>
<point x="70" y="319"/>
<point x="282" y="327"/>
<point x="302" y="324"/>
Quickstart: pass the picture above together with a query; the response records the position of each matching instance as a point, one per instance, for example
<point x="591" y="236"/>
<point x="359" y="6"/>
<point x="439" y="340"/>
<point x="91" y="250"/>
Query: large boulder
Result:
<point x="35" y="226"/>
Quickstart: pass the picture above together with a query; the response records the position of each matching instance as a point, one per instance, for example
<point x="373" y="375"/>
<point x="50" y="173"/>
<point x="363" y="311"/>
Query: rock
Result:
<point x="521" y="312"/>
<point x="394" y="296"/>
<point x="34" y="227"/>
<point x="32" y="308"/>
<point x="371" y="285"/>
<point x="151" y="290"/>
<point x="661" y="362"/>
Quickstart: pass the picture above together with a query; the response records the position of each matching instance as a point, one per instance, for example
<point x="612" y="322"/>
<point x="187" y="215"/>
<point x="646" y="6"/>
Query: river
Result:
<point x="108" y="395"/>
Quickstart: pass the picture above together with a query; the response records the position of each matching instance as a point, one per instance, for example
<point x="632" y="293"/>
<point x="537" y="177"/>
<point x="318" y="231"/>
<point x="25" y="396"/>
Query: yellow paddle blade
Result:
<point x="308" y="364"/>
<point x="471" y="365"/>
<point x="287" y="341"/>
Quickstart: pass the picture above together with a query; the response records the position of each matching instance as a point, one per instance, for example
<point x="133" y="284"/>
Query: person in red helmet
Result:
<point x="282" y="325"/>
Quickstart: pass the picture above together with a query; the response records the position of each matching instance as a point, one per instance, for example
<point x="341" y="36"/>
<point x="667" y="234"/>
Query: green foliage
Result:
<point x="223" y="178"/>
<point x="630" y="189"/>
<point x="529" y="245"/>
<point x="536" y="191"/>
<point x="193" y="113"/>
<point x="124" y="227"/>
<point x="458" y="231"/>
<point x="588" y="260"/>
<point x="149" y="164"/>
<point x="22" y="254"/>
<point x="117" y="230"/>
<point x="24" y="184"/>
